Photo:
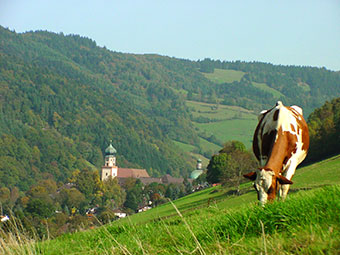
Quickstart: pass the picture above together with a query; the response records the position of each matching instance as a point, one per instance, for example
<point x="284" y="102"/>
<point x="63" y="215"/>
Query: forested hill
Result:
<point x="63" y="98"/>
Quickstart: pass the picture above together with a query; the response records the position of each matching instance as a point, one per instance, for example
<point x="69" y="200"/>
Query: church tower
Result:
<point x="198" y="171"/>
<point x="110" y="167"/>
<point x="199" y="164"/>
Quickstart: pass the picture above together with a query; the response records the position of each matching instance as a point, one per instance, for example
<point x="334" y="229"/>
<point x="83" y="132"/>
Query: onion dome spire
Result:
<point x="110" y="150"/>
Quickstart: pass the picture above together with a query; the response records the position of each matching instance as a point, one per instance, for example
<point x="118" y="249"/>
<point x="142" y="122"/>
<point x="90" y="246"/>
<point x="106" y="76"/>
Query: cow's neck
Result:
<point x="277" y="155"/>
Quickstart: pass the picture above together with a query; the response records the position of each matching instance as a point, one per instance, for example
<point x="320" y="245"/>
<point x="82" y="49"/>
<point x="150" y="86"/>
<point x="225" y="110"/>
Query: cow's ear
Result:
<point x="283" y="180"/>
<point x="251" y="176"/>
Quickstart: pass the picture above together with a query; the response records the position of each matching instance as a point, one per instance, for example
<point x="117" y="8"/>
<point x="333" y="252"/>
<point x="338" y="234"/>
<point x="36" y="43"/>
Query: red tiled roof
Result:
<point x="169" y="179"/>
<point x="131" y="172"/>
<point x="146" y="180"/>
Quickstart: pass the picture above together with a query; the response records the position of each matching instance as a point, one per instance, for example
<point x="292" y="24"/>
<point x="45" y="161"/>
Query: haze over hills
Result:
<point x="63" y="98"/>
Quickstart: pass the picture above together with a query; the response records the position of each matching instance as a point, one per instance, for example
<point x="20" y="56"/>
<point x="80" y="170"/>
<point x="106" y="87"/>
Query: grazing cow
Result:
<point x="280" y="144"/>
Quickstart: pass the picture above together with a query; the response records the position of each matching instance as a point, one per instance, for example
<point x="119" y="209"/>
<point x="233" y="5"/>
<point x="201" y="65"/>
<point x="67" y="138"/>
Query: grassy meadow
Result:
<point x="224" y="75"/>
<point x="227" y="130"/>
<point x="226" y="123"/>
<point x="265" y="87"/>
<point x="214" y="221"/>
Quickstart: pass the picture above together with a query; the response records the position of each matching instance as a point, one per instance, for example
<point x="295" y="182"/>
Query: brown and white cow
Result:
<point x="280" y="144"/>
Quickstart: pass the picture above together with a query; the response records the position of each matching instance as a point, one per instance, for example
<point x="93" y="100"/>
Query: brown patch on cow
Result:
<point x="276" y="115"/>
<point x="305" y="138"/>
<point x="251" y="176"/>
<point x="292" y="139"/>
<point x="274" y="188"/>
<point x="292" y="127"/>
<point x="266" y="169"/>
<point x="302" y="127"/>
<point x="285" y="160"/>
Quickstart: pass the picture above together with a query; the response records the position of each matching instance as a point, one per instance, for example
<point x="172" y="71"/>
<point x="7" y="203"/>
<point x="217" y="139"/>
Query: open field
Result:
<point x="183" y="146"/>
<point x="190" y="148"/>
<point x="227" y="130"/>
<point x="213" y="221"/>
<point x="224" y="76"/>
<point x="268" y="89"/>
<point x="222" y="112"/>
<point x="224" y="122"/>
<point x="227" y="122"/>
<point x="325" y="172"/>
<point x="209" y="146"/>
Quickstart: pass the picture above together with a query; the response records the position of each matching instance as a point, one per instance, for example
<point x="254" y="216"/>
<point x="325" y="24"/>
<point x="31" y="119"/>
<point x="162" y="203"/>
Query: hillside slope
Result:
<point x="63" y="98"/>
<point x="213" y="221"/>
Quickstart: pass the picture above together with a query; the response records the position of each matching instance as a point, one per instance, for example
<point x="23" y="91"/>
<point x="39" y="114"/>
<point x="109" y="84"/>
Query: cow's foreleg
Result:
<point x="284" y="191"/>
<point x="288" y="173"/>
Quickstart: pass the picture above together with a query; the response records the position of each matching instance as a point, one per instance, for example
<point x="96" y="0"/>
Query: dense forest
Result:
<point x="324" y="131"/>
<point x="63" y="98"/>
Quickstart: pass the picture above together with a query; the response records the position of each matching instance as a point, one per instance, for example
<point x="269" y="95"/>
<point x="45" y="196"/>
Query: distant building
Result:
<point x="110" y="167"/>
<point x="198" y="171"/>
<point x="119" y="213"/>
<point x="167" y="179"/>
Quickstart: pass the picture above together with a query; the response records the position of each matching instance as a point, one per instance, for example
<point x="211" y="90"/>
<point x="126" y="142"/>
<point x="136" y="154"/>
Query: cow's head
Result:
<point x="266" y="183"/>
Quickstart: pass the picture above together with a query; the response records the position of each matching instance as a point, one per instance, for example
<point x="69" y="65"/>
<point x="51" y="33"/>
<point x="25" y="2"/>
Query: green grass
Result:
<point x="209" y="146"/>
<point x="224" y="76"/>
<point x="230" y="122"/>
<point x="227" y="130"/>
<point x="214" y="222"/>
<point x="214" y="230"/>
<point x="190" y="148"/>
<point x="325" y="172"/>
<point x="183" y="146"/>
<point x="265" y="87"/>
<point x="223" y="112"/>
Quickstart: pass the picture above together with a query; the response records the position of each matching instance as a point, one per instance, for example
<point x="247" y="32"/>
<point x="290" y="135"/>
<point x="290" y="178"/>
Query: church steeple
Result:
<point x="199" y="164"/>
<point x="110" y="155"/>
<point x="110" y="150"/>
<point x="198" y="171"/>
<point x="110" y="168"/>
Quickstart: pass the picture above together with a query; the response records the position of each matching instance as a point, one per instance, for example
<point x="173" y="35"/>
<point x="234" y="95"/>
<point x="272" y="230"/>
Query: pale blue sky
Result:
<point x="288" y="32"/>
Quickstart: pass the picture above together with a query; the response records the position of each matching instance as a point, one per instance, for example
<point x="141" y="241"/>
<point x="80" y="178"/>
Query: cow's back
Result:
<point x="283" y="127"/>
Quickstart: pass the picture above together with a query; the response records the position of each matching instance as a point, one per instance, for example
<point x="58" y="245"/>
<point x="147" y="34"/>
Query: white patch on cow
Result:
<point x="298" y="109"/>
<point x="259" y="117"/>
<point x="262" y="184"/>
<point x="286" y="118"/>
